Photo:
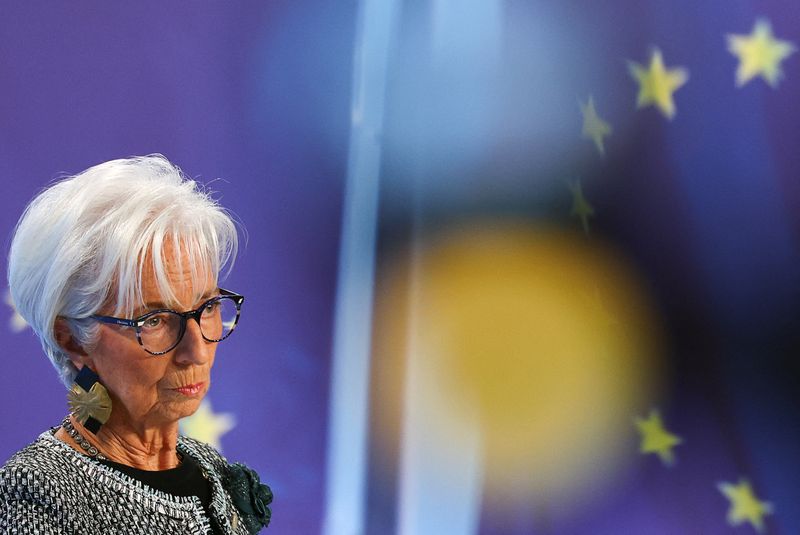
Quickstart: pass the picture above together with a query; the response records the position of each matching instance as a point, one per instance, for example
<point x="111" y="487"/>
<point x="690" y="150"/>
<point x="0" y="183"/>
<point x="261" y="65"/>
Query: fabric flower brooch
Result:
<point x="249" y="496"/>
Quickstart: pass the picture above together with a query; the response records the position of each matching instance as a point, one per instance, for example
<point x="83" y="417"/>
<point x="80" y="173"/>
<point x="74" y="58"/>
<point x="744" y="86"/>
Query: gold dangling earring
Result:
<point x="88" y="400"/>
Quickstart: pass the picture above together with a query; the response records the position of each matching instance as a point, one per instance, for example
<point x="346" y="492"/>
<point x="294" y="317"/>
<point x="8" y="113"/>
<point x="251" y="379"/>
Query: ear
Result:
<point x="69" y="345"/>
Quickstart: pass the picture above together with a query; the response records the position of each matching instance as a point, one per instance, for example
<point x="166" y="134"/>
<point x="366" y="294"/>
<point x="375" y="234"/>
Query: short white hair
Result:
<point x="82" y="243"/>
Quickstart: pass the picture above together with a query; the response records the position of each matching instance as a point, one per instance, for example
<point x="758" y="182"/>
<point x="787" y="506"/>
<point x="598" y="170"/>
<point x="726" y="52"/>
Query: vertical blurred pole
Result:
<point x="347" y="428"/>
<point x="441" y="485"/>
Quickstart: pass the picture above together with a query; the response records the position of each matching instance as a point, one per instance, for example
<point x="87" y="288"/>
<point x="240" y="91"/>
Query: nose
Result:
<point x="193" y="348"/>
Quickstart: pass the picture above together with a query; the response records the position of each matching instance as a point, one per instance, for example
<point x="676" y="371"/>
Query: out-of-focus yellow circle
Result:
<point x="541" y="340"/>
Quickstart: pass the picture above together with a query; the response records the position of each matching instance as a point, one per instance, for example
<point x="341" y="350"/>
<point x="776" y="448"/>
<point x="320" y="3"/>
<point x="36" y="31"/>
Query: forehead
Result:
<point x="176" y="276"/>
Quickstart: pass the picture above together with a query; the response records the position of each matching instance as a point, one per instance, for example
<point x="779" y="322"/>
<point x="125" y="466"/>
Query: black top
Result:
<point x="186" y="479"/>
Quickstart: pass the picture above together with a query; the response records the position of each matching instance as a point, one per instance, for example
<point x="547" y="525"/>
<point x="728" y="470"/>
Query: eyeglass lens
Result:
<point x="160" y="331"/>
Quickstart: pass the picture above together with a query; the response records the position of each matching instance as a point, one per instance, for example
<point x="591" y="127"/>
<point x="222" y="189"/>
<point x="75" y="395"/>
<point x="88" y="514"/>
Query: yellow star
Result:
<point x="206" y="426"/>
<point x="16" y="322"/>
<point x="656" y="439"/>
<point x="657" y="83"/>
<point x="744" y="505"/>
<point x="580" y="206"/>
<point x="759" y="54"/>
<point x="594" y="127"/>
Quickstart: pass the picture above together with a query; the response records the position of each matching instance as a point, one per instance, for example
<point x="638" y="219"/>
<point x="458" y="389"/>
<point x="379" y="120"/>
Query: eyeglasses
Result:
<point x="160" y="331"/>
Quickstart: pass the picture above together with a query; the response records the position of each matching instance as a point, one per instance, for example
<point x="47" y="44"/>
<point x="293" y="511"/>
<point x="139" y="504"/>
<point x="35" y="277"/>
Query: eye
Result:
<point x="152" y="322"/>
<point x="211" y="307"/>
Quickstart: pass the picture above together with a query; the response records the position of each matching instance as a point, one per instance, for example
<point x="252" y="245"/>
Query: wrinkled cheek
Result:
<point x="140" y="401"/>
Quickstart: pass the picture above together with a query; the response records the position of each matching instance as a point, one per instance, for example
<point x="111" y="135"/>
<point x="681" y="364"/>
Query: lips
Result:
<point x="190" y="390"/>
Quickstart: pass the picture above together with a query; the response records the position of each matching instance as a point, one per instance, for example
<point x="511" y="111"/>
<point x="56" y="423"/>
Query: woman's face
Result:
<point x="152" y="391"/>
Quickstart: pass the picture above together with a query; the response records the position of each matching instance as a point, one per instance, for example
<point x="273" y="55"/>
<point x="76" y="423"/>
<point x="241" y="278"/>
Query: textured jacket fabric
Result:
<point x="50" y="488"/>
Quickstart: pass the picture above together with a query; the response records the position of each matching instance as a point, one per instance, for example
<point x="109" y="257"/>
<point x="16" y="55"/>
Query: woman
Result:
<point x="116" y="270"/>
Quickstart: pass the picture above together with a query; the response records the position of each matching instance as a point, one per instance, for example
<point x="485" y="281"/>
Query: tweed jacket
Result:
<point x="48" y="488"/>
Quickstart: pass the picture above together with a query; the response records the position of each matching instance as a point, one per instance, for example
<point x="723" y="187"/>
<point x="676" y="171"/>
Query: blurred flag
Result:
<point x="611" y="357"/>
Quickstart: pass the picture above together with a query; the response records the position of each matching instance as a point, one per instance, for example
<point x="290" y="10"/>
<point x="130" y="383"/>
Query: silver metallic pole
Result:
<point x="347" y="423"/>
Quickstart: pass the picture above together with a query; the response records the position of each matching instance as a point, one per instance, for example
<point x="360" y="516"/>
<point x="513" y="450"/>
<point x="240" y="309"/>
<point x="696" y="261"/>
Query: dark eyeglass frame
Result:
<point x="137" y="323"/>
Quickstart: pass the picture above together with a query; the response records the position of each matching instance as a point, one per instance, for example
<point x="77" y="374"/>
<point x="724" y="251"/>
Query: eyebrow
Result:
<point x="157" y="305"/>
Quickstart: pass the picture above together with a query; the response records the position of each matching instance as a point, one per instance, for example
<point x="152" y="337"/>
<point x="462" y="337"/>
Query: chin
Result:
<point x="190" y="406"/>
<point x="183" y="409"/>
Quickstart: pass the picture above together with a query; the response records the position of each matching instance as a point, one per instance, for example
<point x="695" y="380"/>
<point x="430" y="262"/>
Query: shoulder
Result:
<point x="205" y="454"/>
<point x="49" y="471"/>
<point x="237" y="490"/>
<point x="40" y="447"/>
<point x="33" y="484"/>
<point x="35" y="465"/>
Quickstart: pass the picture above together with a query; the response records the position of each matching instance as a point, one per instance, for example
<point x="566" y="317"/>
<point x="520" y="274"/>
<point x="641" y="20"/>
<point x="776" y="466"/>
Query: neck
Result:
<point x="139" y="447"/>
